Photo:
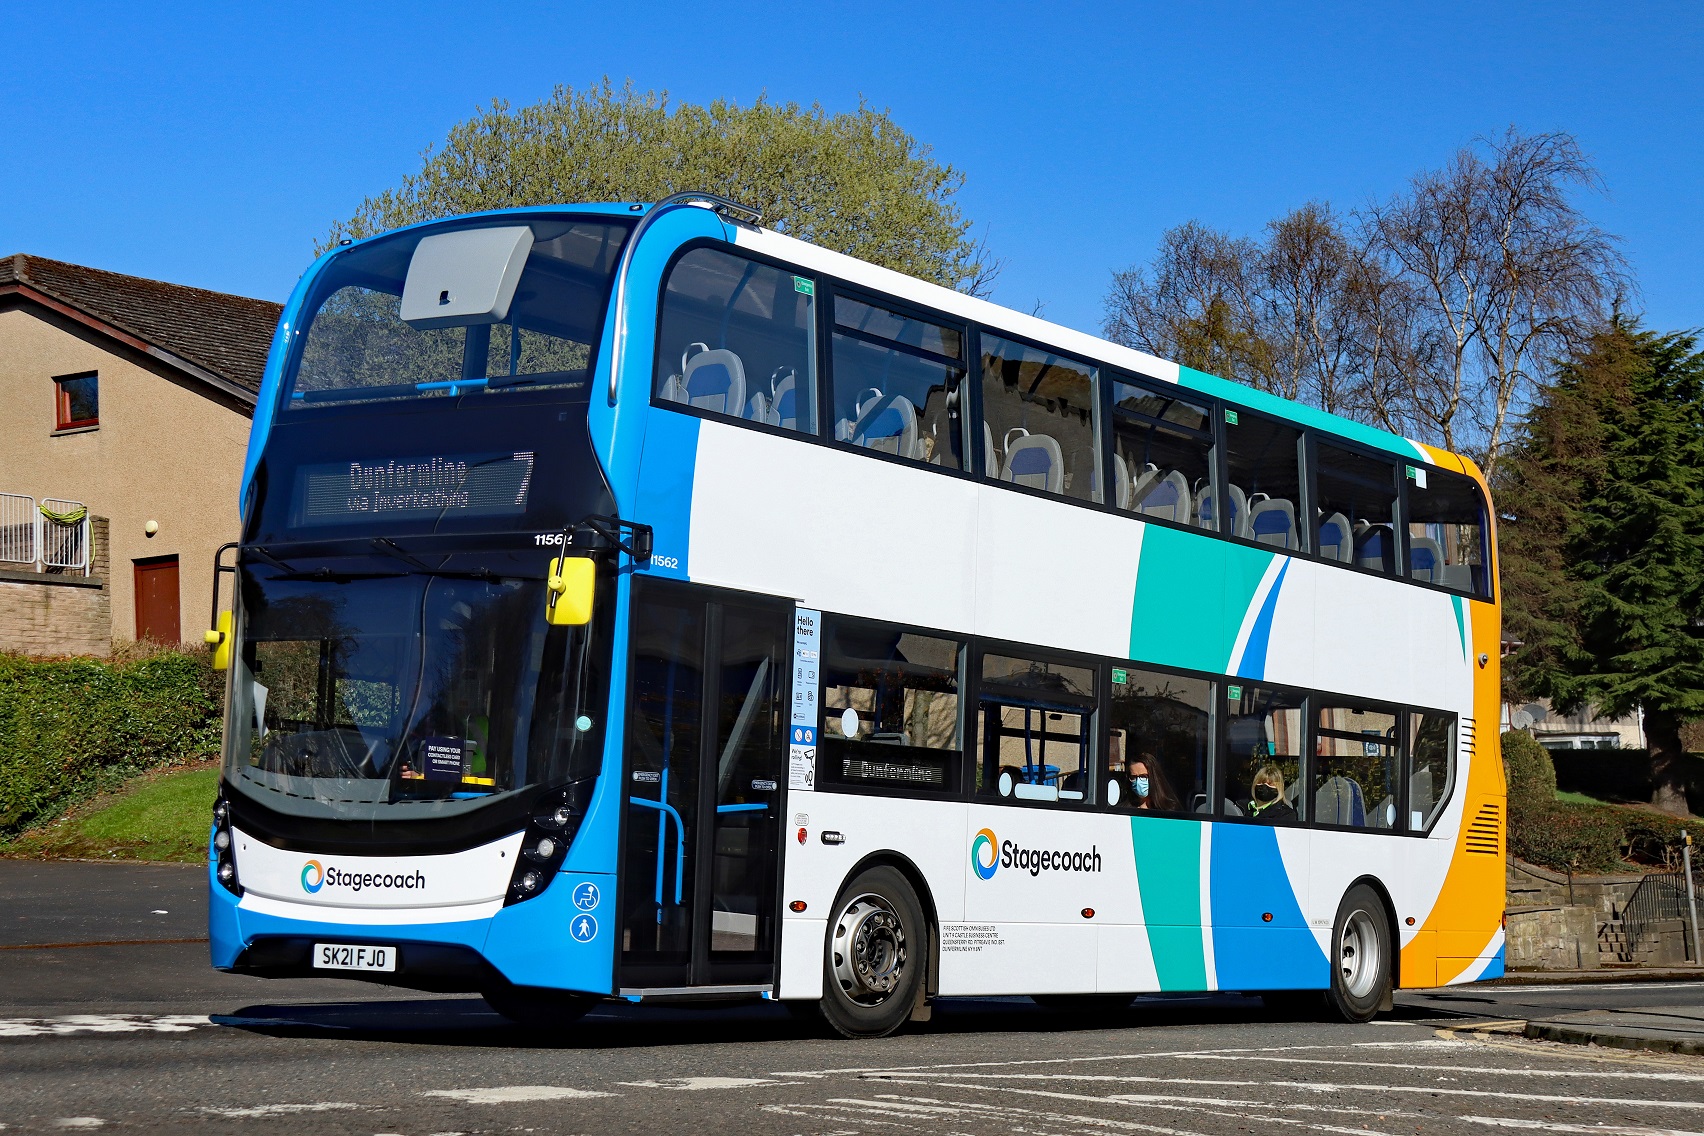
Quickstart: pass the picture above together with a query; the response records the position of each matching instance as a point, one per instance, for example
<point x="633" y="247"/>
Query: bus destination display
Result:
<point x="393" y="489"/>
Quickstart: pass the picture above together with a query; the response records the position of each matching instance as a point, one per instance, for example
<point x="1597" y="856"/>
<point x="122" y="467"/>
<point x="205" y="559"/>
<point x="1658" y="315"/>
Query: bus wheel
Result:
<point x="538" y="1008"/>
<point x="877" y="947"/>
<point x="1360" y="971"/>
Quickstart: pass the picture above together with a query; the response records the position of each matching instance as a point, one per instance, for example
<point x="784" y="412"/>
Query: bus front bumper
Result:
<point x="548" y="941"/>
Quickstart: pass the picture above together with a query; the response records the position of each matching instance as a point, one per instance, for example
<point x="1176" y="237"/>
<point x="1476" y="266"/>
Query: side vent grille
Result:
<point x="1469" y="737"/>
<point x="1482" y="833"/>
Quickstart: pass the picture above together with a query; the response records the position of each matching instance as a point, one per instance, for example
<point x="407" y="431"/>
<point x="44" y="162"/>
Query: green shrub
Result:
<point x="1571" y="836"/>
<point x="71" y="727"/>
<point x="1531" y="775"/>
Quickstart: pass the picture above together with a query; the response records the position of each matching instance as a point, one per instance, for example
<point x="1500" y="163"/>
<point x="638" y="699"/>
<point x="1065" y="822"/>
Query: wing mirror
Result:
<point x="568" y="591"/>
<point x="219" y="636"/>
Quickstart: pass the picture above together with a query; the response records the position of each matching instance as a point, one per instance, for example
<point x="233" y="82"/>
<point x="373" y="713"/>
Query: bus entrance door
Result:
<point x="705" y="765"/>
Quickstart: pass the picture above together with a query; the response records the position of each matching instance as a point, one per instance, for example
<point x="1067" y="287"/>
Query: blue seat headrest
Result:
<point x="1031" y="459"/>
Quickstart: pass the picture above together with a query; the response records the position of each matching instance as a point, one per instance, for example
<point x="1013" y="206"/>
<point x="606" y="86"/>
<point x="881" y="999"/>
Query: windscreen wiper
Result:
<point x="288" y="571"/>
<point x="394" y="550"/>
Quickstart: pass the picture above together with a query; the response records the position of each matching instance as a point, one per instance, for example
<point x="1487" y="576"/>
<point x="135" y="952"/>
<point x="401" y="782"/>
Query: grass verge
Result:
<point x="157" y="816"/>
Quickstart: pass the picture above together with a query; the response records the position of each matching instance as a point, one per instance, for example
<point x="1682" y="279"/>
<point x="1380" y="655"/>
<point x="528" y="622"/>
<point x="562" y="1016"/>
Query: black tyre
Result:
<point x="1085" y="1005"/>
<point x="537" y="1007"/>
<point x="878" y="945"/>
<point x="1360" y="956"/>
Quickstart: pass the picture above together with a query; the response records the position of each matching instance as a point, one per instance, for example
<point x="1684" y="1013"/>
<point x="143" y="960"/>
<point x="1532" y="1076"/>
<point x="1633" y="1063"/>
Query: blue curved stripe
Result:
<point x="1261" y="940"/>
<point x="1253" y="663"/>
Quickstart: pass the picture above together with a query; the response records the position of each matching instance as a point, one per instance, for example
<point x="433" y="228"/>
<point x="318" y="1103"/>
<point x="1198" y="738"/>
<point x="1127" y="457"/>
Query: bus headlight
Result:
<point x="223" y="855"/>
<point x="556" y="816"/>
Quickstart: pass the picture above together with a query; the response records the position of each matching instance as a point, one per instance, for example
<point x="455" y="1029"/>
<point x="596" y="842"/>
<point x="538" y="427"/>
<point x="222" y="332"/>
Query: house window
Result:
<point x="76" y="402"/>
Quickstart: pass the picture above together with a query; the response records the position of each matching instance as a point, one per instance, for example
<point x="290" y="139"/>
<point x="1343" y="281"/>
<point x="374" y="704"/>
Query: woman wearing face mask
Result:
<point x="1148" y="788"/>
<point x="1267" y="801"/>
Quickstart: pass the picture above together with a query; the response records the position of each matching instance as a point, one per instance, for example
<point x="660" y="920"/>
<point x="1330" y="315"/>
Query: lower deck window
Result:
<point x="890" y="708"/>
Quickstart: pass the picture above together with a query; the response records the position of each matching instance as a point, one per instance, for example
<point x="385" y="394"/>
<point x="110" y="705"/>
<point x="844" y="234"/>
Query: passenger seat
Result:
<point x="1034" y="460"/>
<point x="1272" y="520"/>
<point x="887" y="424"/>
<point x="1425" y="560"/>
<point x="712" y="380"/>
<point x="1334" y="539"/>
<point x="1167" y="497"/>
<point x="780" y="406"/>
<point x="1204" y="508"/>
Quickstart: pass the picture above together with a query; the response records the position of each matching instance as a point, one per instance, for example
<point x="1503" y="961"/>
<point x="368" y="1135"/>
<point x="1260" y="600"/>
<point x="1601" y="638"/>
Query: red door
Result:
<point x="157" y="599"/>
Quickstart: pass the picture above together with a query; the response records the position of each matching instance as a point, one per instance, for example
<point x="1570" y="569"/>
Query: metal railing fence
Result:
<point x="52" y="534"/>
<point x="1659" y="898"/>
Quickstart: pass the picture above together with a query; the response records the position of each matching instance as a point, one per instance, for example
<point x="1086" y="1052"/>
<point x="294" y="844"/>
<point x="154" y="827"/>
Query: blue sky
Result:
<point x="211" y="145"/>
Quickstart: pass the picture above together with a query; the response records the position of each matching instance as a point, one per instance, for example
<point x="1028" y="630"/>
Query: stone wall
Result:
<point x="52" y="613"/>
<point x="1562" y="922"/>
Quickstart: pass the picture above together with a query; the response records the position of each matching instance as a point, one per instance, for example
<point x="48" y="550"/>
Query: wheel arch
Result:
<point x="903" y="864"/>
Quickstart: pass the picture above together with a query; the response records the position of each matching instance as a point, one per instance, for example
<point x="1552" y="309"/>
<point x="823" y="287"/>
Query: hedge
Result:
<point x="1572" y="837"/>
<point x="1622" y="775"/>
<point x="74" y="726"/>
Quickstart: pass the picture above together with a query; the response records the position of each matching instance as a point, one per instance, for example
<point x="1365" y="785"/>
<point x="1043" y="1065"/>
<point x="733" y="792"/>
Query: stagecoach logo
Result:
<point x="316" y="875"/>
<point x="984" y="847"/>
<point x="988" y="854"/>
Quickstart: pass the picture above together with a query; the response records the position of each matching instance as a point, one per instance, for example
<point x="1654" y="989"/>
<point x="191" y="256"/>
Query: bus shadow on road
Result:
<point x="617" y="1025"/>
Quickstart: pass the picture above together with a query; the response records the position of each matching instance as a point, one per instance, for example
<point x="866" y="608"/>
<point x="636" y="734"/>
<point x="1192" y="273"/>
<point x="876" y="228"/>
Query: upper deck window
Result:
<point x="896" y="383"/>
<point x="739" y="338"/>
<point x="1264" y="491"/>
<point x="1039" y="419"/>
<point x="358" y="348"/>
<point x="1162" y="455"/>
<point x="1446" y="531"/>
<point x="1356" y="510"/>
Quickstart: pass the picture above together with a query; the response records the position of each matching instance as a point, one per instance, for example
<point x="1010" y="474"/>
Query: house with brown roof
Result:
<point x="124" y="416"/>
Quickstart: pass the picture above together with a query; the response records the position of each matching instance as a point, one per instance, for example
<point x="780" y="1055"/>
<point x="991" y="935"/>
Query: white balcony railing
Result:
<point x="52" y="534"/>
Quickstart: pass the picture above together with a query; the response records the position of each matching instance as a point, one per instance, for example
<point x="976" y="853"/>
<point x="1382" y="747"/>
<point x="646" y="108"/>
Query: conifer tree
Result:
<point x="1603" y="540"/>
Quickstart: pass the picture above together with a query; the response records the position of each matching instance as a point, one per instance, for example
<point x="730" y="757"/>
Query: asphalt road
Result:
<point x="145" y="1036"/>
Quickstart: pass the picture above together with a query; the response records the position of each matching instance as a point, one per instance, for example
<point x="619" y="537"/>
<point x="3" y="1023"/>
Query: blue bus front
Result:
<point x="412" y="788"/>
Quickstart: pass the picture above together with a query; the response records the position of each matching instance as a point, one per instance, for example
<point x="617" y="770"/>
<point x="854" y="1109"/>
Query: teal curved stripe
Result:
<point x="1253" y="663"/>
<point x="1461" y="625"/>
<point x="1192" y="593"/>
<point x="1168" y="876"/>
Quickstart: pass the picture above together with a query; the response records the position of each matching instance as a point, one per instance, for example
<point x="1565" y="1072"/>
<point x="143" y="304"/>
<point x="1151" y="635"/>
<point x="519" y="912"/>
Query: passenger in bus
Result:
<point x="1266" y="796"/>
<point x="1148" y="787"/>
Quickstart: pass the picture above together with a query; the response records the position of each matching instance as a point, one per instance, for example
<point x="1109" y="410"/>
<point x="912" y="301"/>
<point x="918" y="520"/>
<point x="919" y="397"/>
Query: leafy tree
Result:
<point x="1604" y="539"/>
<point x="856" y="183"/>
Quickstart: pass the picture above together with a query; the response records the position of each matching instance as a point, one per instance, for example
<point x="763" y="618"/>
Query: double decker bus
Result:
<point x="635" y="602"/>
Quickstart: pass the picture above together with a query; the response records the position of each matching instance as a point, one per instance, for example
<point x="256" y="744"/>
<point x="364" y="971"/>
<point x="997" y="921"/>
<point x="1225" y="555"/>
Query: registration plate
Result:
<point x="343" y="956"/>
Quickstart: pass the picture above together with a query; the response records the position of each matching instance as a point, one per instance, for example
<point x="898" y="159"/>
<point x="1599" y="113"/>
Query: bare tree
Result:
<point x="1425" y="314"/>
<point x="1507" y="272"/>
<point x="1194" y="304"/>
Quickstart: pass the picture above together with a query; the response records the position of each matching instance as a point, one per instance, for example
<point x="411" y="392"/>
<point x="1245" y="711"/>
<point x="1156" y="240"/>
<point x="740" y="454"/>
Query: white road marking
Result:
<point x="79" y="1122"/>
<point x="1204" y="1106"/>
<point x="692" y="1084"/>
<point x="1322" y="1087"/>
<point x="259" y="1111"/>
<point x="1604" y="1129"/>
<point x="1453" y="1068"/>
<point x="515" y="1094"/>
<point x="102" y="1023"/>
<point x="1418" y="1043"/>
